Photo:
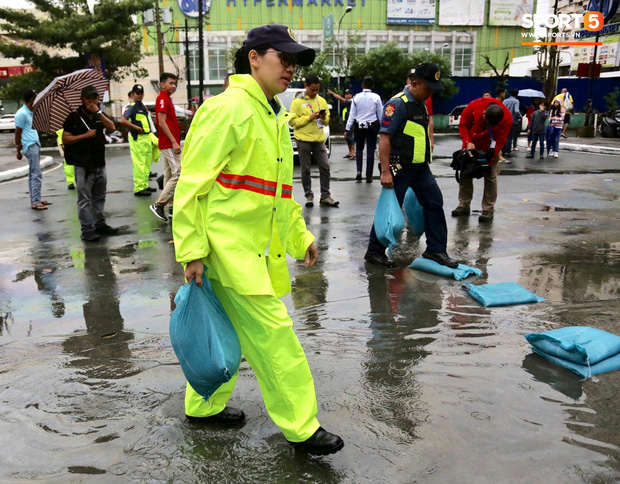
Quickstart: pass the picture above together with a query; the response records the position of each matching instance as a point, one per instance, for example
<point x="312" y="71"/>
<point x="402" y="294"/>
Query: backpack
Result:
<point x="568" y="106"/>
<point x="470" y="164"/>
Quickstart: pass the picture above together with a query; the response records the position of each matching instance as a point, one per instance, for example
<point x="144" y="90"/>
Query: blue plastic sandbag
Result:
<point x="578" y="344"/>
<point x="414" y="212"/>
<point x="585" y="371"/>
<point x="203" y="338"/>
<point x="389" y="220"/>
<point x="501" y="294"/>
<point x="427" y="265"/>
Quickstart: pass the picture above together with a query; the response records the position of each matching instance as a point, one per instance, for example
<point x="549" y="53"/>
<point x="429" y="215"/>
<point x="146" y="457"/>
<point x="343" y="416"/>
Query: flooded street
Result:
<point x="423" y="383"/>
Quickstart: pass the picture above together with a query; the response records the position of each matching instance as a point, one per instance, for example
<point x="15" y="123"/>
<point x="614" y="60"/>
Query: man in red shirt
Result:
<point x="169" y="143"/>
<point x="484" y="125"/>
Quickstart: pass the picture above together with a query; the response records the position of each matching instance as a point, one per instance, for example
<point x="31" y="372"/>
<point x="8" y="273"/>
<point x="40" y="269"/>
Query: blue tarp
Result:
<point x="414" y="212"/>
<point x="427" y="265"/>
<point x="203" y="338"/>
<point x="389" y="220"/>
<point x="502" y="294"/>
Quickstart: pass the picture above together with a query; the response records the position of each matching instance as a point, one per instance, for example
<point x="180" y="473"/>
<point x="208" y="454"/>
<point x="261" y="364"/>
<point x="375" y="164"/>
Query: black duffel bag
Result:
<point x="470" y="164"/>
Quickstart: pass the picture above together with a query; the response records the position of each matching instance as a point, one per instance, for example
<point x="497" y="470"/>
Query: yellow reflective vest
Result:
<point x="233" y="204"/>
<point x="306" y="129"/>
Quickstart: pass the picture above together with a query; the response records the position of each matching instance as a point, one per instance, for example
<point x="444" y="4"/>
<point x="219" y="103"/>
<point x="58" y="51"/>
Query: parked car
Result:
<point x="286" y="98"/>
<point x="7" y="122"/>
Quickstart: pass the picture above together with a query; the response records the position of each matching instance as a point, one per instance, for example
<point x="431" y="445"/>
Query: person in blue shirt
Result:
<point x="28" y="145"/>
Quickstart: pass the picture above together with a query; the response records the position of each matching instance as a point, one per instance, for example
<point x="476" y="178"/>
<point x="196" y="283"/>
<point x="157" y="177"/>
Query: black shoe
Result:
<point x="169" y="213"/>
<point x="106" y="230"/>
<point x="441" y="258"/>
<point x="321" y="443"/>
<point x="71" y="186"/>
<point x="158" y="211"/>
<point x="378" y="258"/>
<point x="151" y="189"/>
<point x="459" y="211"/>
<point x="359" y="176"/>
<point x="508" y="155"/>
<point x="152" y="174"/>
<point x="485" y="217"/>
<point x="368" y="179"/>
<point x="90" y="236"/>
<point x="529" y="156"/>
<point x="228" y="416"/>
<point x="143" y="193"/>
<point x="541" y="157"/>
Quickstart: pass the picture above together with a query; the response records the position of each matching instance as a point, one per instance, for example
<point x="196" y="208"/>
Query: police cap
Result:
<point x="281" y="38"/>
<point x="89" y="91"/>
<point x="138" y="89"/>
<point x="429" y="73"/>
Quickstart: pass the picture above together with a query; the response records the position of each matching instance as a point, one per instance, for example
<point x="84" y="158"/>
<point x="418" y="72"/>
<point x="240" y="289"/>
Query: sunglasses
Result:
<point x="287" y="60"/>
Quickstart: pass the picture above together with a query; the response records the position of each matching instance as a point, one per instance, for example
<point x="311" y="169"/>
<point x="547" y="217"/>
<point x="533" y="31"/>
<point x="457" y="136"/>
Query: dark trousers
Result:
<point x="418" y="176"/>
<point x="369" y="138"/>
<point x="511" y="142"/>
<point x="536" y="137"/>
<point x="91" y="190"/>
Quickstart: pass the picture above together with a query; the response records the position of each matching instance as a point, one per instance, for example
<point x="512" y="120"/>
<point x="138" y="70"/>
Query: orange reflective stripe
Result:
<point x="287" y="191"/>
<point x="247" y="182"/>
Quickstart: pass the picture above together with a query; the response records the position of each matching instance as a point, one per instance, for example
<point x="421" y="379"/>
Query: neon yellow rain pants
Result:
<point x="69" y="174"/>
<point x="141" y="159"/>
<point x="272" y="349"/>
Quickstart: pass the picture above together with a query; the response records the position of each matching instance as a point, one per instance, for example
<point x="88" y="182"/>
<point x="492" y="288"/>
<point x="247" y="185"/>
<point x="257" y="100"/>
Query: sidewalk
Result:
<point x="606" y="146"/>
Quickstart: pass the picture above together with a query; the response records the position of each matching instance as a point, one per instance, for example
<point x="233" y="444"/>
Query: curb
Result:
<point x="23" y="170"/>
<point x="604" y="150"/>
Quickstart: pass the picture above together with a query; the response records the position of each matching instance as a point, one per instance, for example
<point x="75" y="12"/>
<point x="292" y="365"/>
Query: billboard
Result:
<point x="411" y="12"/>
<point x="509" y="12"/>
<point x="461" y="12"/>
<point x="606" y="55"/>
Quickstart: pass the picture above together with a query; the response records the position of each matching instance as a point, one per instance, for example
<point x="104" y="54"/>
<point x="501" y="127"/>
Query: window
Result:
<point x="217" y="60"/>
<point x="418" y="46"/>
<point x="462" y="60"/>
<point x="194" y="73"/>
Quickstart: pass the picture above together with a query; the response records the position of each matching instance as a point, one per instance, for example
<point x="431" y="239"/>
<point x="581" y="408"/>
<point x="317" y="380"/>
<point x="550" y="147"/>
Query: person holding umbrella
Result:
<point x="85" y="149"/>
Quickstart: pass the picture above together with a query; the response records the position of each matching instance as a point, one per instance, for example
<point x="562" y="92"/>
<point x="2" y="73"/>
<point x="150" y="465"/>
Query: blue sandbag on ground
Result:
<point x="501" y="294"/>
<point x="585" y="371"/>
<point x="414" y="212"/>
<point x="427" y="265"/>
<point x="389" y="220"/>
<point x="578" y="344"/>
<point x="203" y="338"/>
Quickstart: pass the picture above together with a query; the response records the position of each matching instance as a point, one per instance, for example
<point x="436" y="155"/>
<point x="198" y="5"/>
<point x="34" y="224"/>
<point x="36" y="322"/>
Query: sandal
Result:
<point x="45" y="202"/>
<point x="38" y="206"/>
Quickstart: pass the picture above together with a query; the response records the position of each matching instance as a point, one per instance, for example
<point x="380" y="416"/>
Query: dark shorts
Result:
<point x="567" y="118"/>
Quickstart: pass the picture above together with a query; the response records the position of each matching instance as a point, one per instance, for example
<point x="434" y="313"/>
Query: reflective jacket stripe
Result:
<point x="247" y="182"/>
<point x="287" y="191"/>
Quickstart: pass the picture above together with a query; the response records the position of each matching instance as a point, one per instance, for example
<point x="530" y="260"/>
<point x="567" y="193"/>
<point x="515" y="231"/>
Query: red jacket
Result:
<point x="474" y="129"/>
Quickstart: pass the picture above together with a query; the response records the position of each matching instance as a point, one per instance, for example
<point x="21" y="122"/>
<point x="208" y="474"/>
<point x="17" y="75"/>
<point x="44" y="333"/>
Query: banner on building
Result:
<point x="411" y="12"/>
<point x="461" y="12"/>
<point x="509" y="12"/>
<point x="607" y="54"/>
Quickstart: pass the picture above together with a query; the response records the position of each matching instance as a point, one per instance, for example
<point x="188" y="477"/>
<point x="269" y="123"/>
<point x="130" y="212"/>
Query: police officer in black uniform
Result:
<point x="405" y="155"/>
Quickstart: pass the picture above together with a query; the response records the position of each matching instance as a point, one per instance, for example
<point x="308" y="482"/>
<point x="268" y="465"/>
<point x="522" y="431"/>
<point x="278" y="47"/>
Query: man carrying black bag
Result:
<point x="485" y="125"/>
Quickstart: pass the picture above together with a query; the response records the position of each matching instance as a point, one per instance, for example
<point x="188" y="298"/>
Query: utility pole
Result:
<point x="201" y="53"/>
<point x="186" y="45"/>
<point x="160" y="38"/>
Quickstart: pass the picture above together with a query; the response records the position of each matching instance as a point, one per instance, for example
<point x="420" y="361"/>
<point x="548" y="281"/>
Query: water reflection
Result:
<point x="402" y="312"/>
<point x="103" y="352"/>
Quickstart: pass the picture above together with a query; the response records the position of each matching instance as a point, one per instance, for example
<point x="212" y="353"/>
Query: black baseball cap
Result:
<point x="138" y="89"/>
<point x="429" y="73"/>
<point x="281" y="38"/>
<point x="89" y="91"/>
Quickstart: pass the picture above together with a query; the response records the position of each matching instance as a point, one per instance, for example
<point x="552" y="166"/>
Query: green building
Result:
<point x="462" y="30"/>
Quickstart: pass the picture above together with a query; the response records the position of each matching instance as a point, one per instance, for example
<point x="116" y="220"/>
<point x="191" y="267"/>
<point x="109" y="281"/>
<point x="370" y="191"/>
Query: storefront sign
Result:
<point x="190" y="7"/>
<point x="411" y="12"/>
<point x="461" y="12"/>
<point x="509" y="12"/>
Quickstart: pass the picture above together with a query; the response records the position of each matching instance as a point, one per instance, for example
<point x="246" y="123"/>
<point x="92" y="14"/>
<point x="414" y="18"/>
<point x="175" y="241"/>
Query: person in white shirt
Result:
<point x="366" y="111"/>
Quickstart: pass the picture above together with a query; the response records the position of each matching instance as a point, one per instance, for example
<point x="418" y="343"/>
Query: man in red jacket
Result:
<point x="485" y="124"/>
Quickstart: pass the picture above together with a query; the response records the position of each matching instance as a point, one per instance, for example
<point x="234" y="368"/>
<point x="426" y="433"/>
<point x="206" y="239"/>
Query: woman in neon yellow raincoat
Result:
<point x="234" y="211"/>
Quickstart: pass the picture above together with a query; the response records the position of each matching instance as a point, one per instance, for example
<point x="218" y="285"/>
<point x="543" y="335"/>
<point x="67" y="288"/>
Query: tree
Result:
<point x="62" y="26"/>
<point x="501" y="76"/>
<point x="389" y="66"/>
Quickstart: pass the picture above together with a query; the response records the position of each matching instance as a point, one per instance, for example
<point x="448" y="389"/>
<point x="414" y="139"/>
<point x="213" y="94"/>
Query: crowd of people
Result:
<point x="235" y="218"/>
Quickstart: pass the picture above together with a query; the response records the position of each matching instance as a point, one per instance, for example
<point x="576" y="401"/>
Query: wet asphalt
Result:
<point x="422" y="383"/>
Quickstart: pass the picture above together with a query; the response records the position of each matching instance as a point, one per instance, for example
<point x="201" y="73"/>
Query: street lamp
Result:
<point x="444" y="46"/>
<point x="346" y="11"/>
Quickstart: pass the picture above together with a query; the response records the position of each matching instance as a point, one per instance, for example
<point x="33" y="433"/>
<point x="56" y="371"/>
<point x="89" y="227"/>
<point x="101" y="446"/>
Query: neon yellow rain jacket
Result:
<point x="233" y="204"/>
<point x="306" y="129"/>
